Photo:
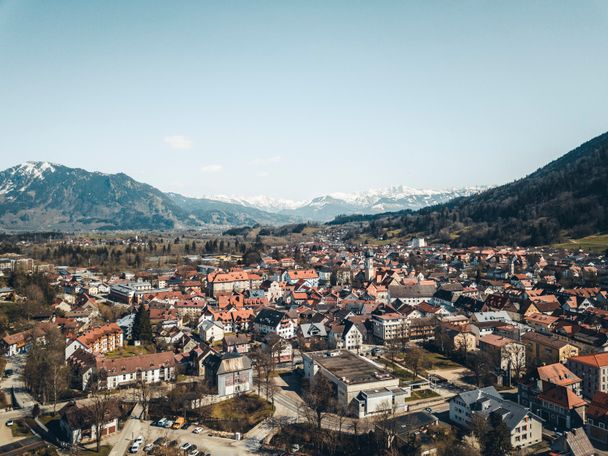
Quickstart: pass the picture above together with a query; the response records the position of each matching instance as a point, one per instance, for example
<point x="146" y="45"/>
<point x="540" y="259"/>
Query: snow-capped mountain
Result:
<point x="40" y="196"/>
<point x="323" y="208"/>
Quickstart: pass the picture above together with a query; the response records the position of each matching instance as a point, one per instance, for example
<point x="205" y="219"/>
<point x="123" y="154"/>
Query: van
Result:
<point x="178" y="423"/>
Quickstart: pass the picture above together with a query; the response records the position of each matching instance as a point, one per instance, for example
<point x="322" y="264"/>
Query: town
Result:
<point x="163" y="344"/>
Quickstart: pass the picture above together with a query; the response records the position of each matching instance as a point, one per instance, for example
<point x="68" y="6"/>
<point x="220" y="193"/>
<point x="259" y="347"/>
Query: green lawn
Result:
<point x="595" y="243"/>
<point x="128" y="350"/>
<point x="422" y="394"/>
<point x="238" y="414"/>
<point x="437" y="361"/>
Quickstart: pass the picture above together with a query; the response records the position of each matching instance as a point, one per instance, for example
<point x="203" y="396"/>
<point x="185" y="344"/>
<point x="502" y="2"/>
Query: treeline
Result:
<point x="565" y="199"/>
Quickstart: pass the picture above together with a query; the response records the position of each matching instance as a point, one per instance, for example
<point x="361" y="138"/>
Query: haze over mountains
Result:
<point x="375" y="201"/>
<point x="41" y="196"/>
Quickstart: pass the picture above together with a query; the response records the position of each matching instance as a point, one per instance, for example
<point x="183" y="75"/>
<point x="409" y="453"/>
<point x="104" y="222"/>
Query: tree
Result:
<point x="101" y="405"/>
<point x="318" y="400"/>
<point x="414" y="359"/>
<point x="142" y="329"/>
<point x="497" y="441"/>
<point x="45" y="373"/>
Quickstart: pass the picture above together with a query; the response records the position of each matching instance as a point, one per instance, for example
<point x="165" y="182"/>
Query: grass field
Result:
<point x="238" y="414"/>
<point x="422" y="394"/>
<point x="437" y="361"/>
<point x="128" y="350"/>
<point x="596" y="243"/>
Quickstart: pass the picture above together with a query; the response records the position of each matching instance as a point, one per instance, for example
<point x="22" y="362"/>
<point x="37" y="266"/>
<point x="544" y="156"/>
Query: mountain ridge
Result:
<point x="564" y="199"/>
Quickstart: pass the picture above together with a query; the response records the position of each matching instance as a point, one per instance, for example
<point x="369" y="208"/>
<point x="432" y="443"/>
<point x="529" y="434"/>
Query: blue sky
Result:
<point x="297" y="99"/>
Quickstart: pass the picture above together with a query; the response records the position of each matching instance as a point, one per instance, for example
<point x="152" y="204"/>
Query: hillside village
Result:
<point x="382" y="348"/>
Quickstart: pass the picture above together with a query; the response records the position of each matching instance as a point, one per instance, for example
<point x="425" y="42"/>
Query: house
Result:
<point x="541" y="349"/>
<point x="238" y="343"/>
<point x="399" y="431"/>
<point x="525" y="428"/>
<point x="349" y="336"/>
<point x="227" y="282"/>
<point x="508" y="355"/>
<point x="308" y="277"/>
<point x="593" y="369"/>
<point x="573" y="443"/>
<point x="78" y="423"/>
<point x="16" y="343"/>
<point x="280" y="349"/>
<point x="597" y="419"/>
<point x="229" y="373"/>
<point x="553" y="393"/>
<point x="269" y="321"/>
<point x="211" y="331"/>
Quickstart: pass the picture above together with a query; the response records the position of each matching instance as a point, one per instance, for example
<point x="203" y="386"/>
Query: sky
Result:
<point x="297" y="99"/>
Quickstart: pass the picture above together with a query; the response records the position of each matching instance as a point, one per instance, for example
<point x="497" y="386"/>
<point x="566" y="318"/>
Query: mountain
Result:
<point x="40" y="196"/>
<point x="565" y="199"/>
<point x="325" y="208"/>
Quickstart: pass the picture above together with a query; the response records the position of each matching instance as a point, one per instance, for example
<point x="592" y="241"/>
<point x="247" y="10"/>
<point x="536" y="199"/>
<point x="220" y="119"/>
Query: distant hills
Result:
<point x="567" y="198"/>
<point x="43" y="196"/>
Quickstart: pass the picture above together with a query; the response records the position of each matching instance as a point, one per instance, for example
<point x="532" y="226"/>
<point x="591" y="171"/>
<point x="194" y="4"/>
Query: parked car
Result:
<point x="168" y="424"/>
<point x="161" y="422"/>
<point x="139" y="439"/>
<point x="186" y="426"/>
<point x="185" y="446"/>
<point x="193" y="453"/>
<point x="161" y="441"/>
<point x="197" y="430"/>
<point x="148" y="448"/>
<point x="135" y="447"/>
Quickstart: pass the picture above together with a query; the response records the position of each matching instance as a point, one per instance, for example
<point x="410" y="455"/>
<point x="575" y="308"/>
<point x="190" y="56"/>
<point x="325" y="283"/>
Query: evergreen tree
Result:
<point x="497" y="441"/>
<point x="142" y="329"/>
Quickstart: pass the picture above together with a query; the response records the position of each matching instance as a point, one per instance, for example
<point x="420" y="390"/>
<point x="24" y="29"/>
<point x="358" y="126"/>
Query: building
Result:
<point x="127" y="292"/>
<point x="78" y="423"/>
<point x="269" y="321"/>
<point x="211" y="331"/>
<point x="573" y="443"/>
<point x="219" y="282"/>
<point x="238" y="343"/>
<point x="399" y="431"/>
<point x="508" y="355"/>
<point x="351" y="375"/>
<point x="308" y="277"/>
<point x="593" y="369"/>
<point x="541" y="349"/>
<point x="597" y="419"/>
<point x="229" y="373"/>
<point x="349" y="336"/>
<point x="525" y="428"/>
<point x="102" y="339"/>
<point x="117" y="372"/>
<point x="390" y="326"/>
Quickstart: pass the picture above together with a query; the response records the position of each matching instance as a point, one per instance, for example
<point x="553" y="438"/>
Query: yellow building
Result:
<point x="541" y="349"/>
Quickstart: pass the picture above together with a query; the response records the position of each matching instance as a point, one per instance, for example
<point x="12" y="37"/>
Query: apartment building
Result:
<point x="390" y="326"/>
<point x="593" y="370"/>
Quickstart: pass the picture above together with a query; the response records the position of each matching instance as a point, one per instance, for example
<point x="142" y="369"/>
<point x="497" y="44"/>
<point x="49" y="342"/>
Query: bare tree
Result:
<point x="414" y="359"/>
<point x="101" y="407"/>
<point x="318" y="400"/>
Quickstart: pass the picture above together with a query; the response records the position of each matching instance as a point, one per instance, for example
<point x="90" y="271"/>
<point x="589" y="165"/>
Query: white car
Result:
<point x="185" y="446"/>
<point x="134" y="448"/>
<point x="193" y="453"/>
<point x="139" y="440"/>
<point x="10" y="422"/>
<point x="197" y="430"/>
